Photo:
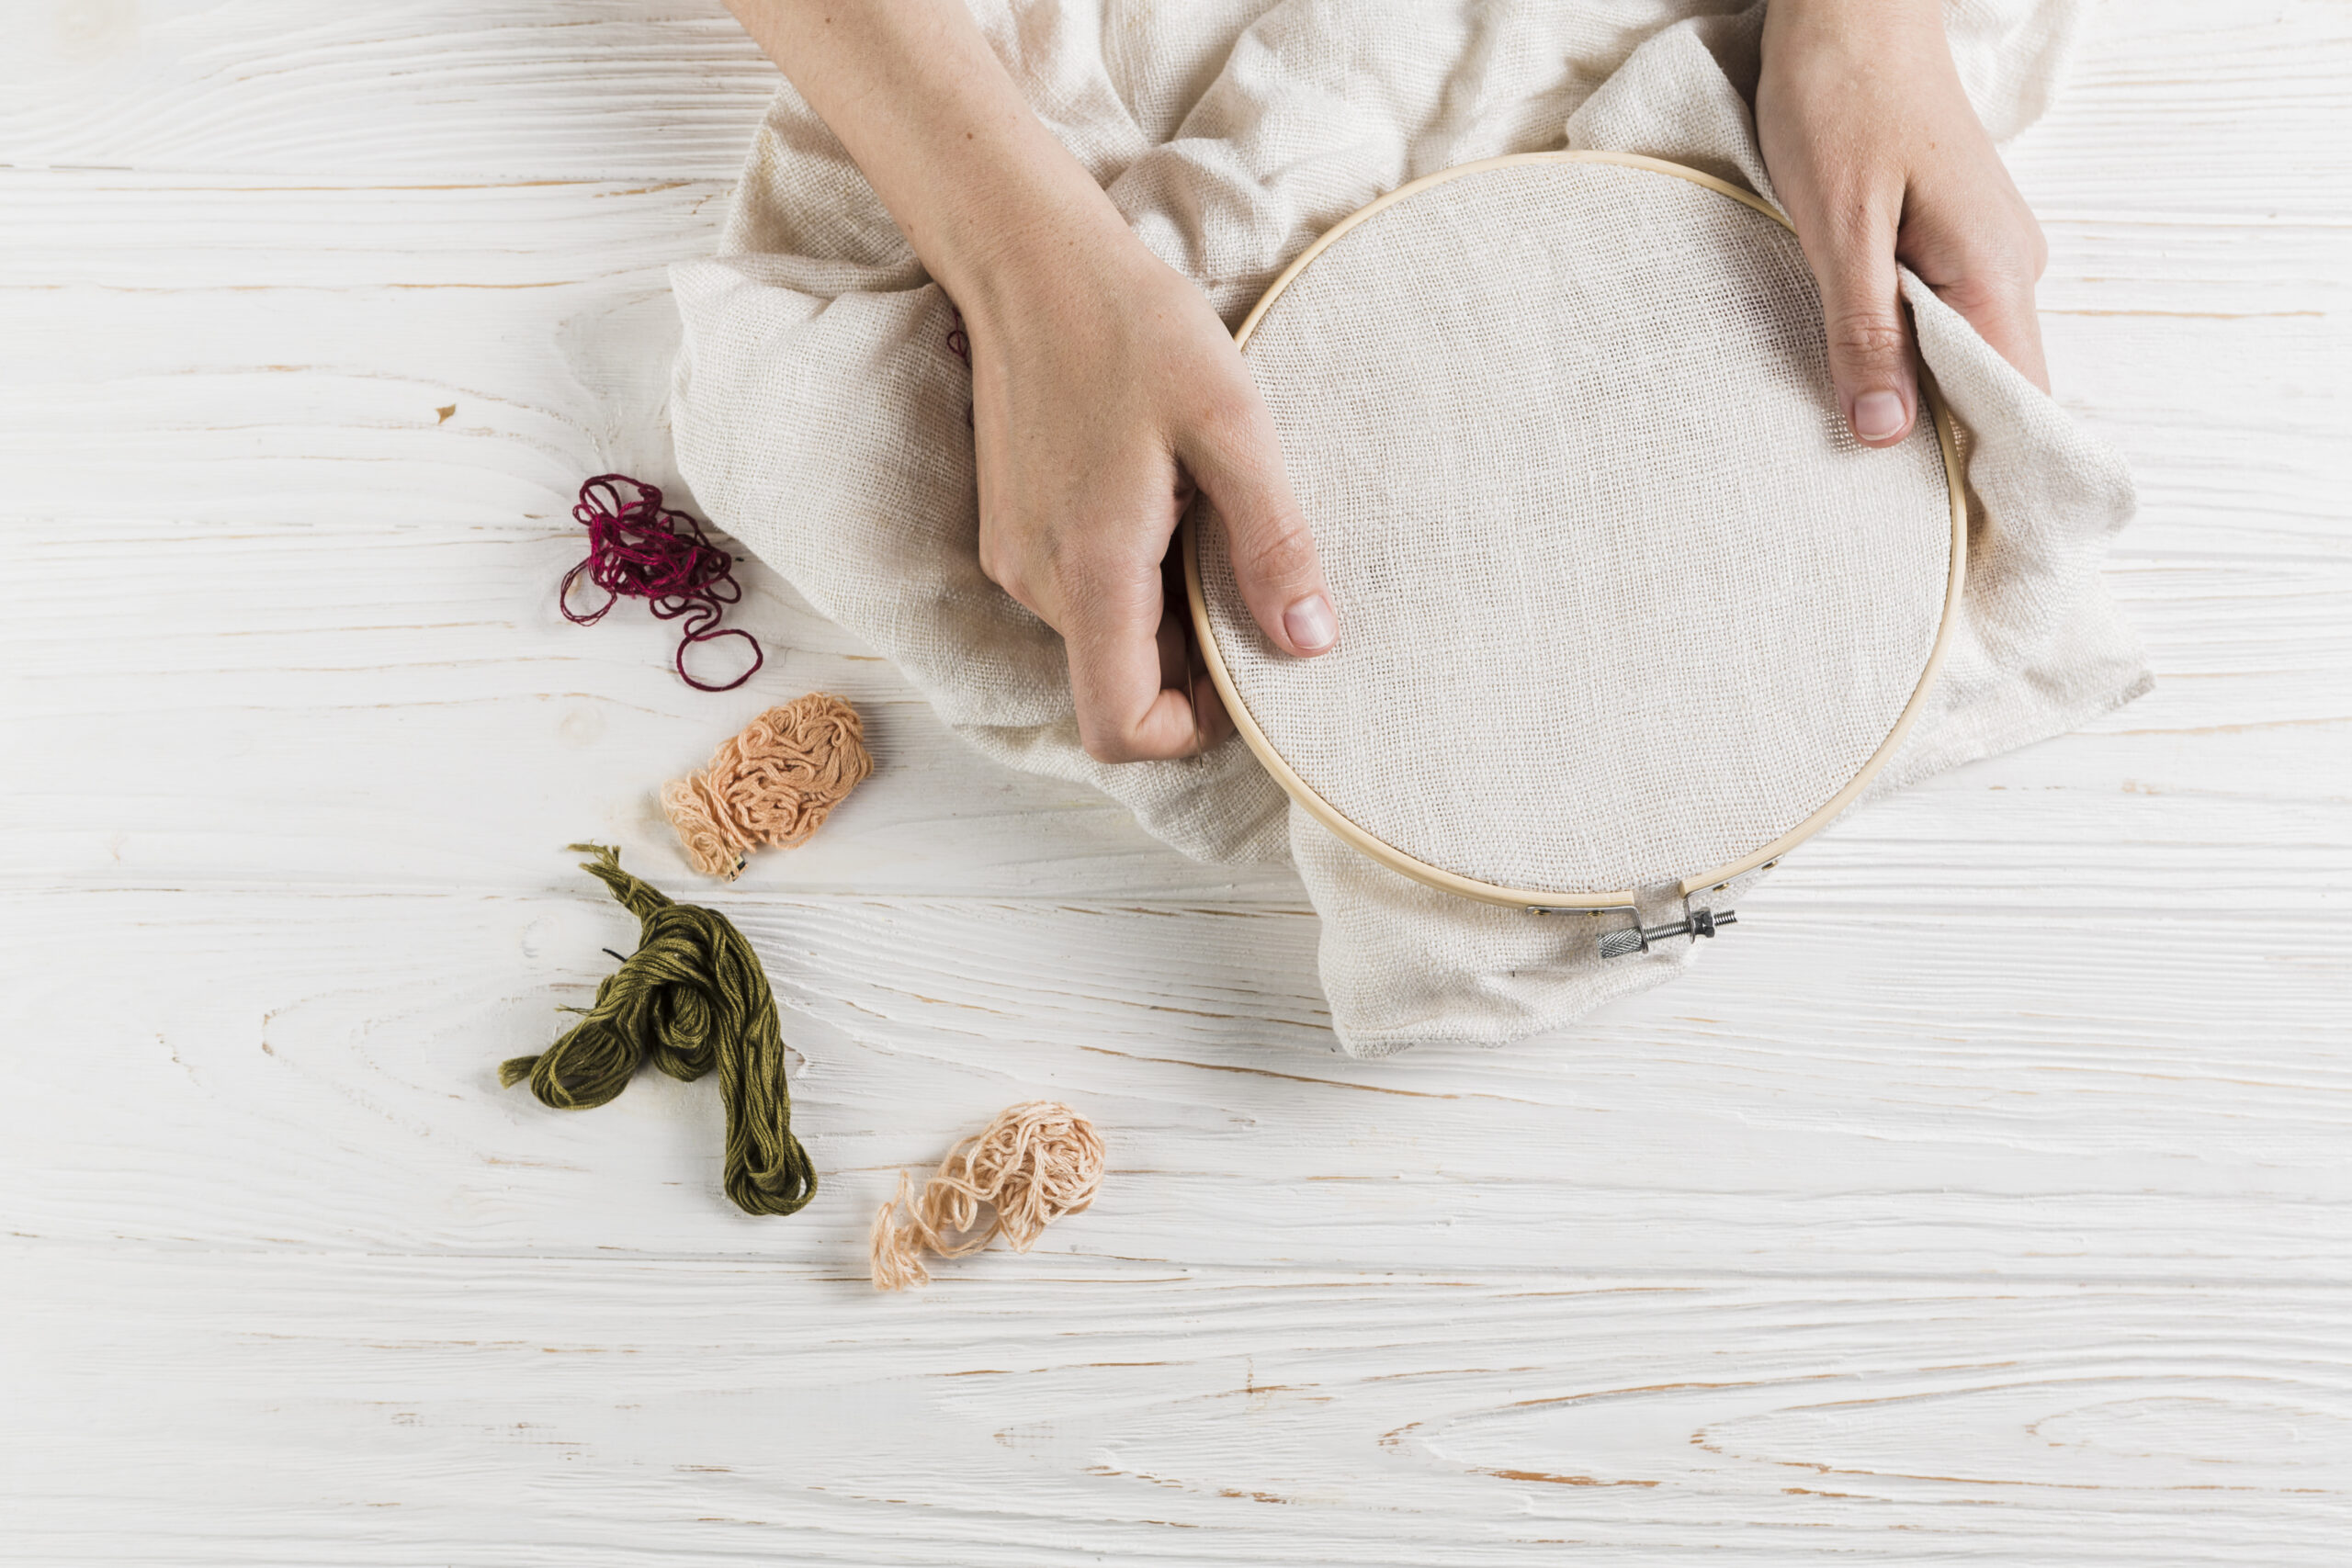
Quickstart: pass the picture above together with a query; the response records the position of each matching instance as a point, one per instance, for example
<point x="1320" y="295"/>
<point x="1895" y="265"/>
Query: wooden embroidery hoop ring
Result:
<point x="1537" y="902"/>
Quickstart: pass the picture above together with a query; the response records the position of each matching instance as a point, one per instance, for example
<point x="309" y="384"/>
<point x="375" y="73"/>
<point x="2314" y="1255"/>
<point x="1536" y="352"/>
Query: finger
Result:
<point x="1182" y="667"/>
<point x="1175" y="674"/>
<point x="1183" y="670"/>
<point x="1239" y="465"/>
<point x="1209" y="715"/>
<point x="2005" y="317"/>
<point x="1870" y="344"/>
<point x="1124" y="713"/>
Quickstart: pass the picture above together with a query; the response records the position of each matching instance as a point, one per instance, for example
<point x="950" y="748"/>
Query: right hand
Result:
<point x="1105" y="392"/>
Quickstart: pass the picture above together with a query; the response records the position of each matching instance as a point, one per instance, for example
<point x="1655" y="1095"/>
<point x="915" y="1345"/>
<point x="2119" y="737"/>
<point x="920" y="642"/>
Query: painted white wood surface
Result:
<point x="1986" y="1199"/>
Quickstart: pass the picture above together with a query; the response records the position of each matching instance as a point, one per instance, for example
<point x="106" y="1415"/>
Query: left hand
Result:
<point x="1878" y="158"/>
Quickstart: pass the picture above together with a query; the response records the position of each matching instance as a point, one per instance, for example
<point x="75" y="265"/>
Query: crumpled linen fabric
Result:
<point x="821" y="415"/>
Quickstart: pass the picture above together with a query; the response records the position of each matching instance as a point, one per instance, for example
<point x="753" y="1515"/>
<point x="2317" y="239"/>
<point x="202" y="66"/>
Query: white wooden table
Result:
<point x="1987" y="1198"/>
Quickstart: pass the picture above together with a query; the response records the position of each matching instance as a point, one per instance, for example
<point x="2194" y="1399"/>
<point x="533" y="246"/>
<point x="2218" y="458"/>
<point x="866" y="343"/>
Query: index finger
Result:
<point x="2005" y="317"/>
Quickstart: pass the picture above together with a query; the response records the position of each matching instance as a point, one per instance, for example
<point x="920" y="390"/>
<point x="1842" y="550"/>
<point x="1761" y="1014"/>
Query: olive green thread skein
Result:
<point x="692" y="997"/>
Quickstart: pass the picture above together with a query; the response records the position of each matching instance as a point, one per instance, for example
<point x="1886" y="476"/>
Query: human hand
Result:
<point x="1104" y="390"/>
<point x="1104" y="394"/>
<point x="1878" y="158"/>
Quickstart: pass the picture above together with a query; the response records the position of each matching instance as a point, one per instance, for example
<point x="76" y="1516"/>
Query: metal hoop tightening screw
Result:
<point x="1638" y="938"/>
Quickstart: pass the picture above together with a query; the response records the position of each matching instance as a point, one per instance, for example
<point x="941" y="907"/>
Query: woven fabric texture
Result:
<point x="1625" y="601"/>
<point x="820" y="415"/>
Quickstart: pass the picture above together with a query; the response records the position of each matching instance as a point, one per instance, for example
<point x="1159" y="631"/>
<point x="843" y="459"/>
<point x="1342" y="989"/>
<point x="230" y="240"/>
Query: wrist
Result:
<point x="981" y="189"/>
<point x="1847" y="42"/>
<point x="995" y="240"/>
<point x="1894" y="25"/>
<point x="1861" y="13"/>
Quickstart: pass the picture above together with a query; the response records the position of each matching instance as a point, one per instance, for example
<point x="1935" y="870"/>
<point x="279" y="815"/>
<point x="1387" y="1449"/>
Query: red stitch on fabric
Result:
<point x="638" y="549"/>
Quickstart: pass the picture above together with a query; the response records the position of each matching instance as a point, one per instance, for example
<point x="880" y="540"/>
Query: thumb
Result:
<point x="1870" y="344"/>
<point x="1239" y="469"/>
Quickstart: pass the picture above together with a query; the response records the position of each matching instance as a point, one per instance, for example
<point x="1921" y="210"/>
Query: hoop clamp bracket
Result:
<point x="1629" y="939"/>
<point x="1626" y="941"/>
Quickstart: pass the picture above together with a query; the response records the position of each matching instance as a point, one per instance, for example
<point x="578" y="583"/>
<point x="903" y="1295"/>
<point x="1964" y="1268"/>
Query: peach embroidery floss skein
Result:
<point x="1034" y="1163"/>
<point x="774" y="783"/>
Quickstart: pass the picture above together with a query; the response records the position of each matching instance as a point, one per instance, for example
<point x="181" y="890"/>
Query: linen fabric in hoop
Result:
<point x="1623" y="604"/>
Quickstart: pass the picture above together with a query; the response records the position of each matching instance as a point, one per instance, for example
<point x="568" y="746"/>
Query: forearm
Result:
<point x="1859" y="41"/>
<point x="978" y="186"/>
<point x="1870" y="15"/>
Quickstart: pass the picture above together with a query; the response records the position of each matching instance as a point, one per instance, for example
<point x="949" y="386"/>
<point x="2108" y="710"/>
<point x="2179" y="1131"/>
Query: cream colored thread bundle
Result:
<point x="775" y="782"/>
<point x="1037" y="1162"/>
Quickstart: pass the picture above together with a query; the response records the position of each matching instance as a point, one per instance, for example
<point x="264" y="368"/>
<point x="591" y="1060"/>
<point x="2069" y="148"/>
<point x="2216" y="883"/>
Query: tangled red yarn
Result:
<point x="638" y="549"/>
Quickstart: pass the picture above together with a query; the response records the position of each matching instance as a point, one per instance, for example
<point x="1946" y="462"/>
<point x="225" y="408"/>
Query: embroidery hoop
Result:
<point x="1716" y="877"/>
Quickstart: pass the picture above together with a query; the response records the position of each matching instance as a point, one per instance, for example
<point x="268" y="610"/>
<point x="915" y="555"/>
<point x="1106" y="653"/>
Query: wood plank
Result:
<point x="2197" y="296"/>
<point x="230" y="353"/>
<point x="603" y="89"/>
<point x="2078" y="1097"/>
<point x="2232" y="114"/>
<point x="286" y="353"/>
<point x="355" y="1410"/>
<point x="404" y="706"/>
<point x="2172" y="104"/>
<point x="1981" y="1199"/>
<point x="401" y="707"/>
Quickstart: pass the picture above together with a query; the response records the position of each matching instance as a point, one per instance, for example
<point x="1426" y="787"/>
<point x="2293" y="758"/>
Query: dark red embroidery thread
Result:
<point x="638" y="549"/>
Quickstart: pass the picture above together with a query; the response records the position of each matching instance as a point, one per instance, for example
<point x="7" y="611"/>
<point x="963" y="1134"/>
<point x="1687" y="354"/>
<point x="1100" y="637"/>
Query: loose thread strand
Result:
<point x="1034" y="1164"/>
<point x="639" y="549"/>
